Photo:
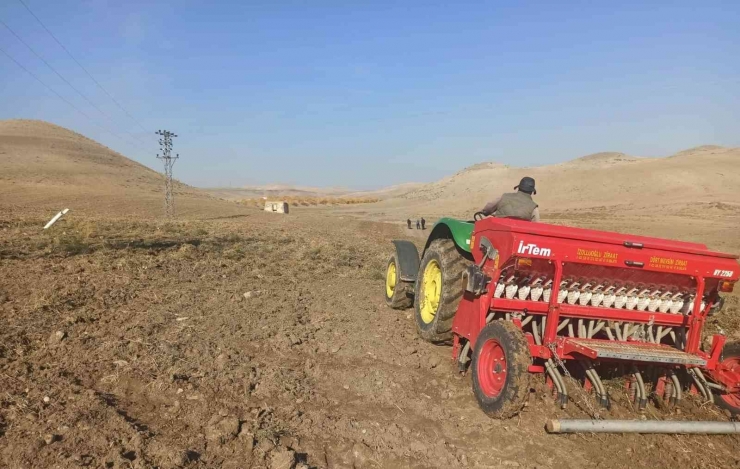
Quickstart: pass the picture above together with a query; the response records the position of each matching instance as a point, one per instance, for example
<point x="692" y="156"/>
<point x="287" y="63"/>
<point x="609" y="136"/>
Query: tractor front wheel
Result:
<point x="397" y="292"/>
<point x="438" y="289"/>
<point x="730" y="359"/>
<point x="500" y="366"/>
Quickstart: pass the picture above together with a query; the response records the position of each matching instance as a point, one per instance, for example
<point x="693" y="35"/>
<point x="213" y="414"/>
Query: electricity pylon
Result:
<point x="165" y="144"/>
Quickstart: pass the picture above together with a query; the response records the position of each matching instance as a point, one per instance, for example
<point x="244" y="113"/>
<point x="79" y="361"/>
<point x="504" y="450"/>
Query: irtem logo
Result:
<point x="533" y="249"/>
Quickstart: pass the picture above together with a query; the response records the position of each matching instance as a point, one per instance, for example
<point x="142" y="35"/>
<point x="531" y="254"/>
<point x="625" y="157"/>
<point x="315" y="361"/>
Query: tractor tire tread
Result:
<point x="452" y="263"/>
<point x="518" y="380"/>
<point x="402" y="297"/>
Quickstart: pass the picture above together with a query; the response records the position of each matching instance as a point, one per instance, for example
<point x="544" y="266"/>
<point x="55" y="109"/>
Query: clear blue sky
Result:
<point x="365" y="94"/>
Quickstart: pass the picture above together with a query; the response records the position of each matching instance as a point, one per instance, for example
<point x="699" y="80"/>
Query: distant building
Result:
<point x="276" y="207"/>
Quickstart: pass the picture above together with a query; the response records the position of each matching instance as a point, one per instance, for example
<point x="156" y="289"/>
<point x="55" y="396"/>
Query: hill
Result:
<point x="276" y="191"/>
<point x="44" y="167"/>
<point x="608" y="157"/>
<point x="610" y="180"/>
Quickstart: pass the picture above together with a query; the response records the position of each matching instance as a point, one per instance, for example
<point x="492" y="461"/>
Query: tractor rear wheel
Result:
<point x="501" y="379"/>
<point x="438" y="289"/>
<point x="730" y="359"/>
<point x="397" y="292"/>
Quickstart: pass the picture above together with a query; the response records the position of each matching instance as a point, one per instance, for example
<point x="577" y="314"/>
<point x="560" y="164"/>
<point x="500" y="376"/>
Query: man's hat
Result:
<point x="526" y="185"/>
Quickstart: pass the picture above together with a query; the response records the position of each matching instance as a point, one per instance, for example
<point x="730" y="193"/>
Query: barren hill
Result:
<point x="46" y="167"/>
<point x="284" y="190"/>
<point x="613" y="181"/>
<point x="274" y="191"/>
<point x="607" y="157"/>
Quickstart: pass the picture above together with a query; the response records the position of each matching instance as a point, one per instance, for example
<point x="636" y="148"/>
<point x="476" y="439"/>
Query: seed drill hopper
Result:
<point x="518" y="299"/>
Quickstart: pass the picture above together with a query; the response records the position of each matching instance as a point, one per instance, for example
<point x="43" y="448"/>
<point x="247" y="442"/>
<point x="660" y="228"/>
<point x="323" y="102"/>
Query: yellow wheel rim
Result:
<point x="390" y="280"/>
<point x="431" y="291"/>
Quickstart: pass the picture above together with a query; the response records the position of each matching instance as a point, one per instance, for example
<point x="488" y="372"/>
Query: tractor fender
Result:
<point x="458" y="231"/>
<point x="408" y="259"/>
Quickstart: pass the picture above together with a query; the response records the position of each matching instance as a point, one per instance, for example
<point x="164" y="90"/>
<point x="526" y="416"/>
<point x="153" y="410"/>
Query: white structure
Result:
<point x="276" y="206"/>
<point x="56" y="217"/>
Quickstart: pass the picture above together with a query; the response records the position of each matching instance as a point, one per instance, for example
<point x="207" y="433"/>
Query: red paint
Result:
<point x="615" y="240"/>
<point x="553" y="309"/>
<point x="575" y="254"/>
<point x="727" y="374"/>
<point x="696" y="323"/>
<point x="492" y="368"/>
<point x="660" y="386"/>
<point x="731" y="366"/>
<point x="718" y="343"/>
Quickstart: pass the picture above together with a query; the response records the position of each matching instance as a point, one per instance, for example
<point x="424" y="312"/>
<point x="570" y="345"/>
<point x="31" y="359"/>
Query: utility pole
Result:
<point x="165" y="145"/>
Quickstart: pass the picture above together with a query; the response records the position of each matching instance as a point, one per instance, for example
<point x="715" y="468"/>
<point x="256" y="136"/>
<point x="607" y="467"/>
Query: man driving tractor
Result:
<point x="516" y="204"/>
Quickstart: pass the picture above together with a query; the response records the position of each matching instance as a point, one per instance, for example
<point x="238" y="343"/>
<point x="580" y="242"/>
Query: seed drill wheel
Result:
<point x="500" y="366"/>
<point x="438" y="290"/>
<point x="730" y="358"/>
<point x="396" y="295"/>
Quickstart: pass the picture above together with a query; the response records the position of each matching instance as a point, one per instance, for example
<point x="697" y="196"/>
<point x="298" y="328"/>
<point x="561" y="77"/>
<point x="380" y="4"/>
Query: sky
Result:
<point x="374" y="93"/>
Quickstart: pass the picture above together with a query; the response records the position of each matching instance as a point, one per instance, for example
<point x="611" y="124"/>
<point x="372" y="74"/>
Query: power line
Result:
<point x="83" y="68"/>
<point x="60" y="76"/>
<point x="54" y="91"/>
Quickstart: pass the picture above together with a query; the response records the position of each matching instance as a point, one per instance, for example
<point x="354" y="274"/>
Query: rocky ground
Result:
<point x="257" y="341"/>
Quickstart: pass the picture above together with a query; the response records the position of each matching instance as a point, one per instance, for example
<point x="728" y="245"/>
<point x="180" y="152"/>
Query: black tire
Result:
<point x="508" y="400"/>
<point x="402" y="296"/>
<point x="730" y="351"/>
<point x="452" y="263"/>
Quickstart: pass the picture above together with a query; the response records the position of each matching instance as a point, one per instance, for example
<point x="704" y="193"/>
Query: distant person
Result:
<point x="516" y="204"/>
<point x="408" y="222"/>
<point x="423" y="223"/>
<point x="418" y="224"/>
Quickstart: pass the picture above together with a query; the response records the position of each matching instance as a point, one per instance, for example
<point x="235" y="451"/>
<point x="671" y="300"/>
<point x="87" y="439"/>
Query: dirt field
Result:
<point x="236" y="338"/>
<point x="261" y="340"/>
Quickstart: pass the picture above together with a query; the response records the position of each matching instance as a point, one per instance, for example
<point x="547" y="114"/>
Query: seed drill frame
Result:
<point x="536" y="276"/>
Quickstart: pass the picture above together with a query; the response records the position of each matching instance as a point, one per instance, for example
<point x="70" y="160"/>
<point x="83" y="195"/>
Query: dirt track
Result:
<point x="133" y="344"/>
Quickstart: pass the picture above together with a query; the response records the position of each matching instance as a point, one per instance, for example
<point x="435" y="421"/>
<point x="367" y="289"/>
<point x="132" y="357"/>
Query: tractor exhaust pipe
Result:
<point x="641" y="426"/>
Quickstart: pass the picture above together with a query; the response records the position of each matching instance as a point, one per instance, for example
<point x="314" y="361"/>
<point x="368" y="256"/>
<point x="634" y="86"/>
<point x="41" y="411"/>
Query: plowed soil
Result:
<point x="258" y="341"/>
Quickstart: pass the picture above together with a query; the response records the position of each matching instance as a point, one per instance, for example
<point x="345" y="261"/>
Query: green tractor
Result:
<point x="433" y="284"/>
